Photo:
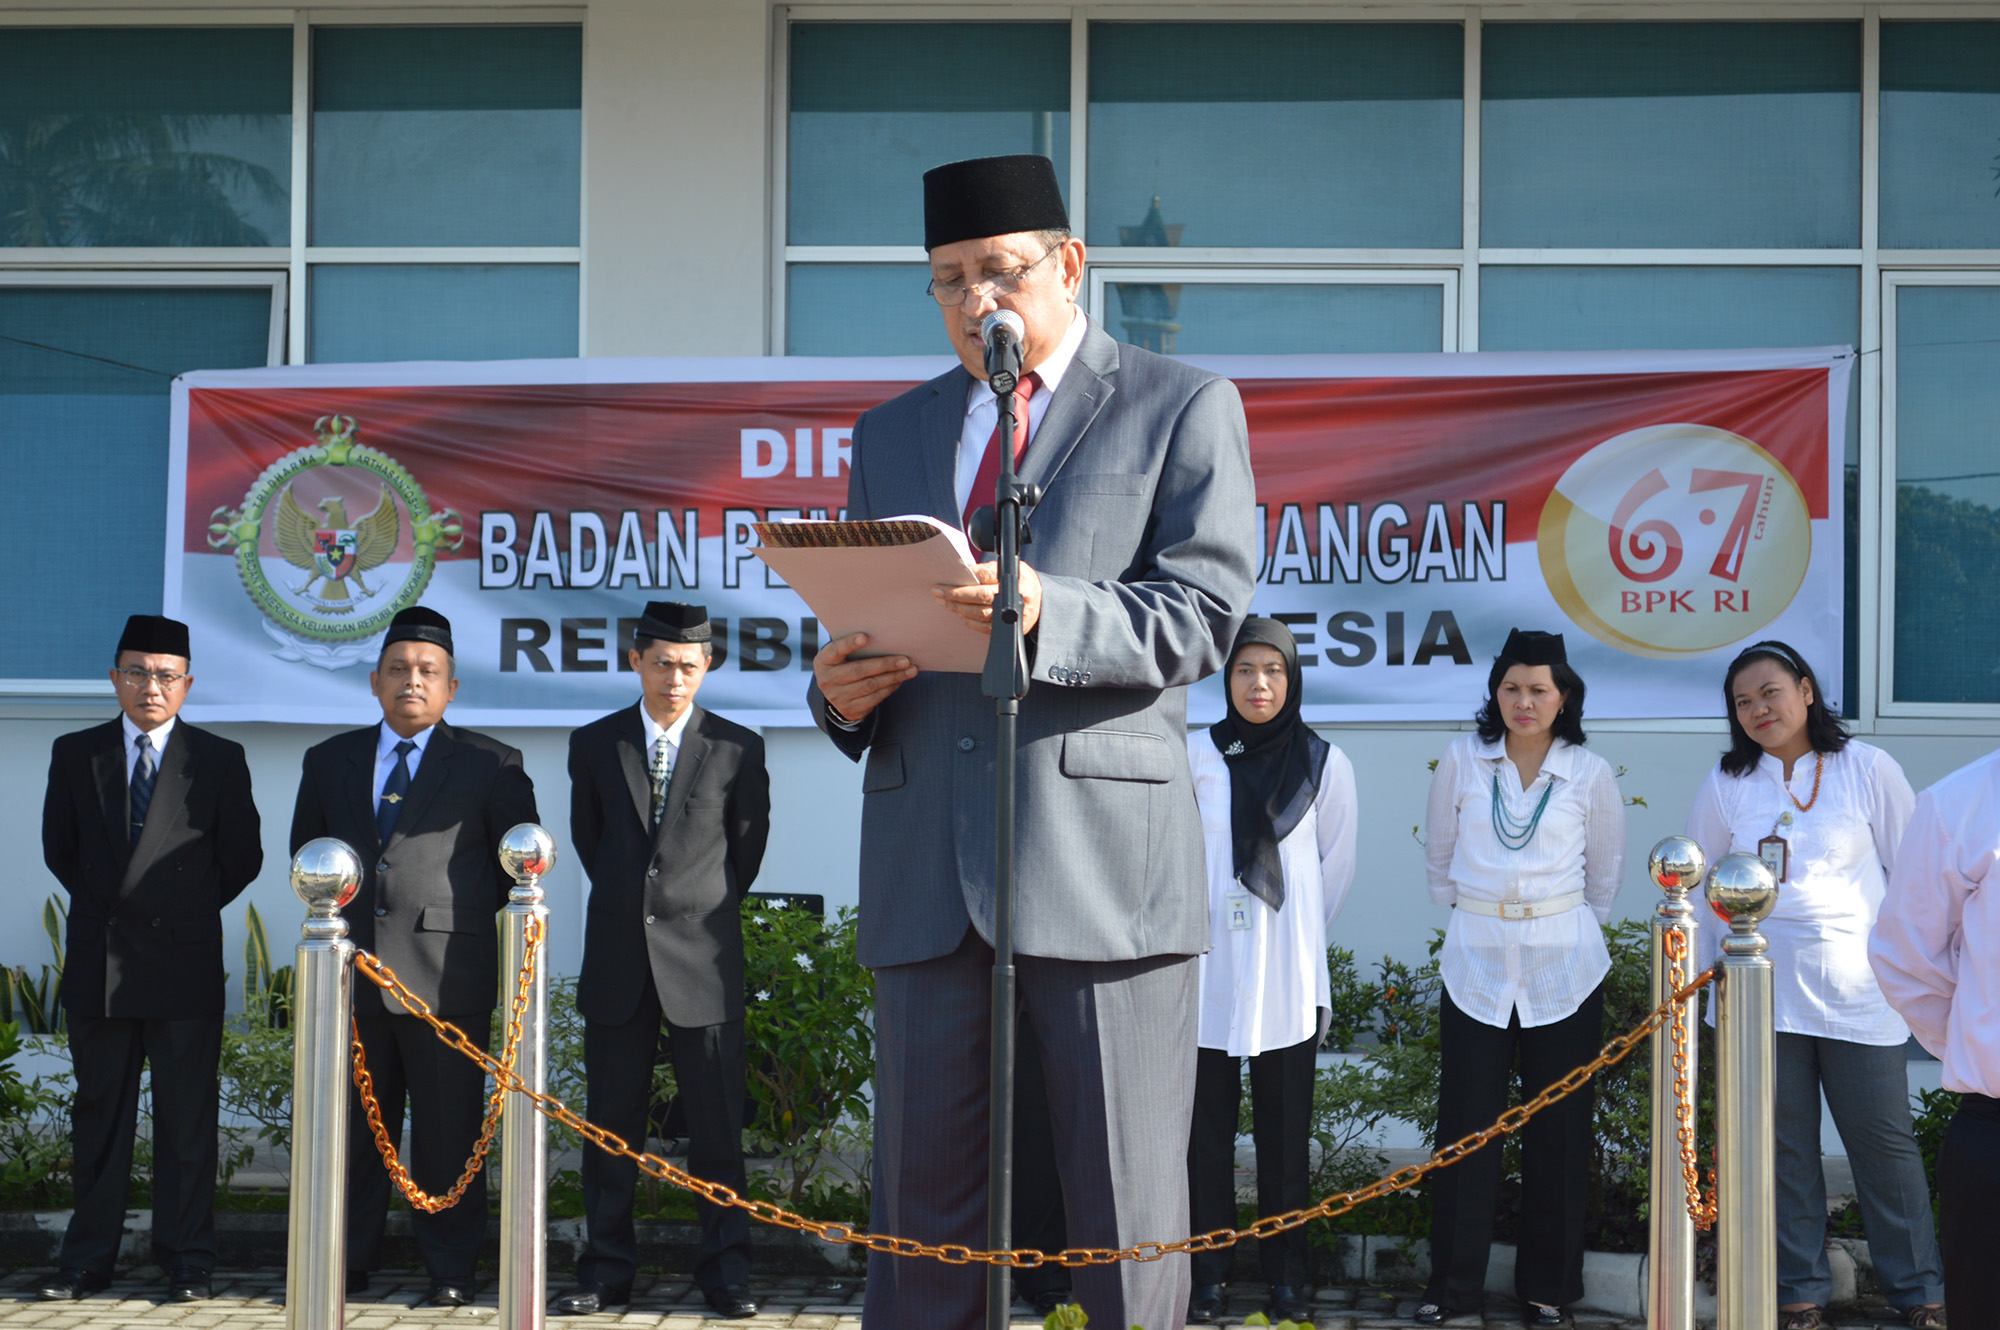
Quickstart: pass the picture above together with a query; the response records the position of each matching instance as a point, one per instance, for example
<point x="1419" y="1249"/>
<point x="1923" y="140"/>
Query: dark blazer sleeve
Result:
<point x="60" y="833"/>
<point x="308" y="812"/>
<point x="511" y="803"/>
<point x="750" y="814"/>
<point x="586" y="812"/>
<point x="239" y="832"/>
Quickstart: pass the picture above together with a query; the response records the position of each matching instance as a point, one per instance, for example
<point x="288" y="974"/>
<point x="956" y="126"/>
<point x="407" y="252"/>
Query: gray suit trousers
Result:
<point x="1118" y="1049"/>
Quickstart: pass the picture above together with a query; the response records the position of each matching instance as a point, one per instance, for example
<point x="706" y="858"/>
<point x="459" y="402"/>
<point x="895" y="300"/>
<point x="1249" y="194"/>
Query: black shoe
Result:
<point x="1048" y="1300"/>
<point x="732" y="1302"/>
<point x="1288" y="1304"/>
<point x="445" y="1293"/>
<point x="186" y="1285"/>
<point x="357" y="1283"/>
<point x="1546" y="1318"/>
<point x="591" y="1298"/>
<point x="69" y="1285"/>
<point x="1433" y="1313"/>
<point x="1206" y="1304"/>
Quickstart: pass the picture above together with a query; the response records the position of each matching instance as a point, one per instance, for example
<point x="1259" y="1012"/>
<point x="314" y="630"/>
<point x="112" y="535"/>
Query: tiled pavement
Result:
<point x="254" y="1299"/>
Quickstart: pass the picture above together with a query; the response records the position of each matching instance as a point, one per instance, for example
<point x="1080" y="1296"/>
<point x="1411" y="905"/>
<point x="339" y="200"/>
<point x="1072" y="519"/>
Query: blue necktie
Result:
<point x="393" y="791"/>
<point x="144" y="773"/>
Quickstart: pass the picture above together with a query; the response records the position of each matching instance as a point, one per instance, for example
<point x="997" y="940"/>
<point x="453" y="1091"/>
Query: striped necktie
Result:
<point x="663" y="771"/>
<point x="986" y="481"/>
<point x="144" y="772"/>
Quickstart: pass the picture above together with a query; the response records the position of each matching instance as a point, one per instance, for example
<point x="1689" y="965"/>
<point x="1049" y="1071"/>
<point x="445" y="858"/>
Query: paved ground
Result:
<point x="254" y="1299"/>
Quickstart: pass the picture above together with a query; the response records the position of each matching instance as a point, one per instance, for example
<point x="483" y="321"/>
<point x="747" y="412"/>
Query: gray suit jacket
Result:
<point x="1146" y="548"/>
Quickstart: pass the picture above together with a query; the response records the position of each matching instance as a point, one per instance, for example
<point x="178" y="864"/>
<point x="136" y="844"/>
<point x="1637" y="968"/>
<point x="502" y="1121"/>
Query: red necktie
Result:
<point x="988" y="480"/>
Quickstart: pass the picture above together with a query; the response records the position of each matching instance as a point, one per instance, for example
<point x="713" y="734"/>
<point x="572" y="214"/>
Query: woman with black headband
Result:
<point x="1525" y="840"/>
<point x="1278" y="818"/>
<point x="1826" y="812"/>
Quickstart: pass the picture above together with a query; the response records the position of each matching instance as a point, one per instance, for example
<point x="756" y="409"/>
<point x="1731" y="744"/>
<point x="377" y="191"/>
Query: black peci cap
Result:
<point x="418" y="624"/>
<point x="155" y="635"/>
<point x="991" y="196"/>
<point x="673" y="621"/>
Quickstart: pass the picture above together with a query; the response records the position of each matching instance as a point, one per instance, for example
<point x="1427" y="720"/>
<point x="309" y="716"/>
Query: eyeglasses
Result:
<point x="1005" y="283"/>
<point x="138" y="679"/>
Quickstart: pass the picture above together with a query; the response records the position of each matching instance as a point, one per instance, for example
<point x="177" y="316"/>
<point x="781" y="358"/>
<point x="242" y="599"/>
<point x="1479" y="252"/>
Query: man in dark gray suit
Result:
<point x="670" y="807"/>
<point x="1143" y="560"/>
<point x="424" y="805"/>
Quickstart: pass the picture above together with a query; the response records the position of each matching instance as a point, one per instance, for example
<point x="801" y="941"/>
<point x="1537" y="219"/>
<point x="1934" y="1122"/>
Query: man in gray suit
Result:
<point x="1143" y="560"/>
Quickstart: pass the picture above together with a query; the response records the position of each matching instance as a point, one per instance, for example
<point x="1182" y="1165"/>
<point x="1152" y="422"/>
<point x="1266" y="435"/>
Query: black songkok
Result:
<point x="418" y="624"/>
<point x="673" y="621"/>
<point x="991" y="196"/>
<point x="1531" y="647"/>
<point x="155" y="635"/>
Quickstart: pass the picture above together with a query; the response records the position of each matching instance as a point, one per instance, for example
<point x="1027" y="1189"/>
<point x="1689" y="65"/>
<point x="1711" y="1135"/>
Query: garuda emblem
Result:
<point x="358" y="574"/>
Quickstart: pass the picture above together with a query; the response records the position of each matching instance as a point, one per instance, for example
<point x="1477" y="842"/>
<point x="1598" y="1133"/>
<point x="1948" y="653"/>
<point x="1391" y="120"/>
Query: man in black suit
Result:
<point x="425" y="806"/>
<point x="150" y="828"/>
<point x="669" y="810"/>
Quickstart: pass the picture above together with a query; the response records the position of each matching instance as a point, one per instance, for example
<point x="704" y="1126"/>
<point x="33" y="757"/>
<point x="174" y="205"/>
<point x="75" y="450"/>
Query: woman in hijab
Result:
<point x="1278" y="818"/>
<point x="1525" y="840"/>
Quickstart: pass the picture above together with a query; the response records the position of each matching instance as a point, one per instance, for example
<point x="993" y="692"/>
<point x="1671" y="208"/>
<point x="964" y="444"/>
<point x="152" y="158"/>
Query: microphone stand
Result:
<point x="1005" y="680"/>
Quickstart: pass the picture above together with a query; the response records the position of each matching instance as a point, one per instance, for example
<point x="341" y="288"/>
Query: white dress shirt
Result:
<point x="1262" y="986"/>
<point x="385" y="755"/>
<point x="159" y="740"/>
<point x="672" y="734"/>
<point x="1543" y="968"/>
<point x="1936" y="948"/>
<point x="1838" y="856"/>
<point x="982" y="412"/>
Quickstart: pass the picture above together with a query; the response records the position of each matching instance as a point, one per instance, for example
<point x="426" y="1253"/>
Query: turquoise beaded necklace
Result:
<point x="1515" y="834"/>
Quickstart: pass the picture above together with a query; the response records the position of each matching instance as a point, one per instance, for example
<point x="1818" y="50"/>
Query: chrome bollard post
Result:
<point x="1676" y="864"/>
<point x="527" y="853"/>
<point x="325" y="873"/>
<point x="1743" y="891"/>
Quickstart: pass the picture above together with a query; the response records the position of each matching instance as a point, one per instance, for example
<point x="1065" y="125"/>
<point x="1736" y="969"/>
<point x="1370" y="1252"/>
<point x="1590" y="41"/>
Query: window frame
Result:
<point x="1102" y="273"/>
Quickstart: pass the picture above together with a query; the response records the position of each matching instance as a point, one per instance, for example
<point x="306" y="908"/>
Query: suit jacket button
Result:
<point x="967" y="744"/>
<point x="156" y="923"/>
<point x="111" y="922"/>
<point x="652" y="872"/>
<point x="649" y="918"/>
<point x="381" y="910"/>
<point x="382" y="867"/>
<point x="1086" y="676"/>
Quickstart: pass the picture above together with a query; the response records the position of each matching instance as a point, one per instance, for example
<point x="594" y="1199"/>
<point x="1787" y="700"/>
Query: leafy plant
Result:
<point x="37" y="1003"/>
<point x="256" y="1064"/>
<point x="34" y="1128"/>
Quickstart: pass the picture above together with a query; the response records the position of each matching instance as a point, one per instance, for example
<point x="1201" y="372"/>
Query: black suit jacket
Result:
<point x="428" y="898"/>
<point x="145" y="921"/>
<point x="665" y="905"/>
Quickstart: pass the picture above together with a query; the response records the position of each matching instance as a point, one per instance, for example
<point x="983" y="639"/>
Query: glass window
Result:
<point x="1947" y="629"/>
<point x="145" y="136"/>
<point x="447" y="136"/>
<point x="85" y="374"/>
<point x="1271" y="318"/>
<point x="862" y="309"/>
<point x="439" y="311"/>
<point x="875" y="105"/>
<point x="1744" y="135"/>
<point x="1941" y="135"/>
<point x="1327" y="134"/>
<point x="1671" y="309"/>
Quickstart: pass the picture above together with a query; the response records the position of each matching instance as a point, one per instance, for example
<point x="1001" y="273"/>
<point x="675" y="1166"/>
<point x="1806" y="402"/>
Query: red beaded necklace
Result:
<point x="1819" y="769"/>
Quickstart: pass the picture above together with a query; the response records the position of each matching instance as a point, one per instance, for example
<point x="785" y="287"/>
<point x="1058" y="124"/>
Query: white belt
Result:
<point x="1562" y="904"/>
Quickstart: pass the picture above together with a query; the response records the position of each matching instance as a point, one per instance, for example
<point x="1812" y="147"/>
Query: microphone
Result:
<point x="1002" y="331"/>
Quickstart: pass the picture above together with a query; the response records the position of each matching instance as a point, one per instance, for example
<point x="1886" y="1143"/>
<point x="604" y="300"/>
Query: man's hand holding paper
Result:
<point x="974" y="604"/>
<point x="853" y="688"/>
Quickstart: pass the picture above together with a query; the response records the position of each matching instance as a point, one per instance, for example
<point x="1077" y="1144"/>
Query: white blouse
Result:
<point x="1937" y="941"/>
<point x="1262" y="986"/>
<point x="1542" y="968"/>
<point x="1839" y="855"/>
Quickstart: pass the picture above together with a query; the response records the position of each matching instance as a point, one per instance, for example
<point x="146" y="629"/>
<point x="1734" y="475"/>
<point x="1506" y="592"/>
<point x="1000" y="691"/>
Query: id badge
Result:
<point x="1236" y="910"/>
<point x="1776" y="854"/>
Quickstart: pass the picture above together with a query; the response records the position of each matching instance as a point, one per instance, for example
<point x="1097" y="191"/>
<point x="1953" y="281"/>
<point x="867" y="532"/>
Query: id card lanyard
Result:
<point x="1774" y="849"/>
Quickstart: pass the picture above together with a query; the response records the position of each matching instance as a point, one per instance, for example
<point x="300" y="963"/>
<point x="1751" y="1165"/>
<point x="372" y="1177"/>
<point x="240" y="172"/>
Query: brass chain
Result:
<point x="1702" y="1212"/>
<point x="490" y="1124"/>
<point x="1028" y="1258"/>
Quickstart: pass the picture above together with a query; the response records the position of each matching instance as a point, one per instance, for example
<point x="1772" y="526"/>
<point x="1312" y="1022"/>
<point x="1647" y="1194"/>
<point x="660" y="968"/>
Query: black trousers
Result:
<point x="1476" y="1067"/>
<point x="1038" y="1194"/>
<point x="1281" y="1085"/>
<point x="447" y="1097"/>
<point x="1968" y="1180"/>
<point x="618" y="1063"/>
<point x="108" y="1053"/>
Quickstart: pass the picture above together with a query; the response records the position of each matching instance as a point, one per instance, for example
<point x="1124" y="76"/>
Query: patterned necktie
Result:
<point x="663" y="771"/>
<point x="144" y="773"/>
<point x="393" y="791"/>
<point x="988" y="478"/>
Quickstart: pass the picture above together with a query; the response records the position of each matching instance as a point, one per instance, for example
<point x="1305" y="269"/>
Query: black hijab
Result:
<point x="1273" y="767"/>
